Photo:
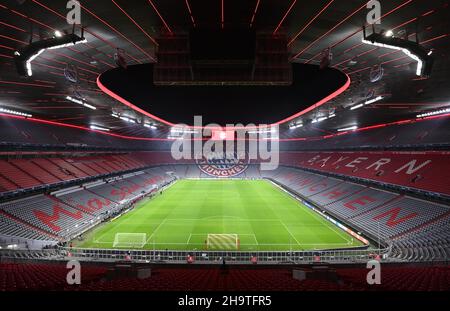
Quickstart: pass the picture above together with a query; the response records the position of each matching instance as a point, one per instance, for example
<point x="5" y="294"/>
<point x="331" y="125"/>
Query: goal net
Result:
<point x="130" y="240"/>
<point x="222" y="242"/>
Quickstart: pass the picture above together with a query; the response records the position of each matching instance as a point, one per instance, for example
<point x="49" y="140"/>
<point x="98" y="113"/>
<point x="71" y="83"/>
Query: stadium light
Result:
<point x="25" y="56"/>
<point x="126" y="119"/>
<point x="412" y="49"/>
<point x="389" y="33"/>
<point x="16" y="113"/>
<point x="99" y="128"/>
<point x="351" y="128"/>
<point x="263" y="131"/>
<point x="374" y="100"/>
<point x="58" y="34"/>
<point x="433" y="113"/>
<point x="178" y="130"/>
<point x="356" y="107"/>
<point x="368" y="102"/>
<point x="317" y="120"/>
<point x="150" y="126"/>
<point x="80" y="102"/>
<point x="295" y="126"/>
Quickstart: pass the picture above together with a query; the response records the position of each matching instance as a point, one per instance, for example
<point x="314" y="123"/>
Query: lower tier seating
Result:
<point x="52" y="276"/>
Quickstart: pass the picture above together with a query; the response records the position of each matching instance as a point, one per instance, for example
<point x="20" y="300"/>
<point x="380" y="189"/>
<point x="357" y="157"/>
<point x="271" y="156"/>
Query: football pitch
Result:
<point x="245" y="215"/>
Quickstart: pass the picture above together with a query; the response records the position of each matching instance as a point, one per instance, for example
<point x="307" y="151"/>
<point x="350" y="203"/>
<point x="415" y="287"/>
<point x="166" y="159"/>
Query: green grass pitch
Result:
<point x="262" y="216"/>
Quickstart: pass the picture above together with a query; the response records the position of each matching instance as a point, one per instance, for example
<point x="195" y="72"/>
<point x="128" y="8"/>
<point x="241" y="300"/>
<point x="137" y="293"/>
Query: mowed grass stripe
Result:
<point x="264" y="217"/>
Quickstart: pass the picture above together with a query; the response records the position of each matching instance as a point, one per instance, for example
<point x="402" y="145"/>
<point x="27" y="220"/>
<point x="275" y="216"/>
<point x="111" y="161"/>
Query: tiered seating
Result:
<point x="360" y="202"/>
<point x="95" y="165"/>
<point x="37" y="172"/>
<point x="110" y="192"/>
<point x="17" y="176"/>
<point x="7" y="185"/>
<point x="12" y="228"/>
<point x="418" y="229"/>
<point x="319" y="187"/>
<point x="336" y="193"/>
<point x="192" y="172"/>
<point x="79" y="163"/>
<point x="429" y="243"/>
<point x="15" y="277"/>
<point x="28" y="173"/>
<point x="399" y="216"/>
<point x="26" y="277"/>
<point x="88" y="202"/>
<point x="67" y="167"/>
<point x="402" y="278"/>
<point x="55" y="170"/>
<point x="420" y="170"/>
<point x="49" y="215"/>
<point x="127" y="186"/>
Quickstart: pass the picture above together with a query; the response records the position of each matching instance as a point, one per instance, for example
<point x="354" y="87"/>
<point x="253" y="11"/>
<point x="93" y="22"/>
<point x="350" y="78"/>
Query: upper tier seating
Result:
<point x="17" y="176"/>
<point x="419" y="170"/>
<point x="28" y="173"/>
<point x="417" y="133"/>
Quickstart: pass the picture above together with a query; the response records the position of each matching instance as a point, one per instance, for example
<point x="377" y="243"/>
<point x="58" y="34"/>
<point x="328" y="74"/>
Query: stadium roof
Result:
<point x="311" y="27"/>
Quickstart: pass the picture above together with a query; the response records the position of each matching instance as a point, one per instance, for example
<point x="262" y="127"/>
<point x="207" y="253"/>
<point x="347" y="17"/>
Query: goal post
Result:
<point x="222" y="242"/>
<point x="130" y="240"/>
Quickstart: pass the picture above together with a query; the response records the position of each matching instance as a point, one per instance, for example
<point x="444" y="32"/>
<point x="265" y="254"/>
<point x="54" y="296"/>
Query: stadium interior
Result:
<point x="107" y="108"/>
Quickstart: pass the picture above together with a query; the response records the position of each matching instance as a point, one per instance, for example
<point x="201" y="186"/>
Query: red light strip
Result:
<point x="428" y="13"/>
<point x="13" y="27"/>
<point x="6" y="47"/>
<point x="405" y="23"/>
<point x="284" y="17"/>
<point x="357" y="55"/>
<point x="223" y="14"/>
<point x="135" y="23"/>
<point x="190" y="12"/>
<point x="320" y="103"/>
<point x="26" y="84"/>
<point x="74" y="59"/>
<point x="160" y="17"/>
<point x="118" y="32"/>
<point x="13" y="39"/>
<point x="316" y="105"/>
<point x="329" y="31"/>
<point x="254" y="13"/>
<point x="108" y="92"/>
<point x="309" y="23"/>
<point x="6" y="56"/>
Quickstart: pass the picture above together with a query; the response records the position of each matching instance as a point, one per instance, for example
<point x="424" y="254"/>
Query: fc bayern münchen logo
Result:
<point x="223" y="165"/>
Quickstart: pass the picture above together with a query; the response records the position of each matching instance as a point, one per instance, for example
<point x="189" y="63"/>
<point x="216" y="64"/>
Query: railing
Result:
<point x="211" y="257"/>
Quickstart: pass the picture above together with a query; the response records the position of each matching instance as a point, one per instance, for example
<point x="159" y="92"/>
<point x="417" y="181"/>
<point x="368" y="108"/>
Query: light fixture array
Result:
<point x="434" y="113"/>
<point x="80" y="102"/>
<point x="368" y="102"/>
<point x="15" y="113"/>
